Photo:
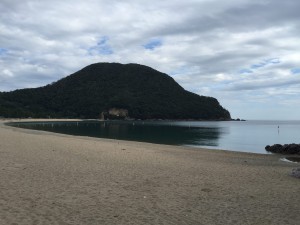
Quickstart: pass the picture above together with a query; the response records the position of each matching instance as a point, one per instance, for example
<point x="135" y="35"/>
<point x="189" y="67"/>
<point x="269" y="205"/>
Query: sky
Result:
<point x="245" y="53"/>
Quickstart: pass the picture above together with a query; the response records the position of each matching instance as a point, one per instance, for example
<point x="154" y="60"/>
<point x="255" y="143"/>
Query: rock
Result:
<point x="295" y="173"/>
<point x="284" y="149"/>
<point x="294" y="159"/>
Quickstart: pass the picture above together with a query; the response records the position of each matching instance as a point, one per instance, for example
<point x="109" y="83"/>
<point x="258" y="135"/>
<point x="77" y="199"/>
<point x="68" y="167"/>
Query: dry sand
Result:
<point x="53" y="179"/>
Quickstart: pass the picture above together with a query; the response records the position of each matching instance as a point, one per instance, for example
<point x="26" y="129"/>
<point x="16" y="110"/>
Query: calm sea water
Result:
<point x="245" y="136"/>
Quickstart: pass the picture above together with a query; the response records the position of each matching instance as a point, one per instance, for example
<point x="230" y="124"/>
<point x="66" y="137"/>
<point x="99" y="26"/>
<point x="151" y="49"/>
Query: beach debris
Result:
<point x="295" y="172"/>
<point x="284" y="149"/>
<point x="206" y="190"/>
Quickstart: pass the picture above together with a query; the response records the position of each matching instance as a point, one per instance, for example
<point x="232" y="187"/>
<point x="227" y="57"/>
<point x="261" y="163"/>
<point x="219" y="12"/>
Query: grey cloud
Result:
<point x="248" y="17"/>
<point x="255" y="85"/>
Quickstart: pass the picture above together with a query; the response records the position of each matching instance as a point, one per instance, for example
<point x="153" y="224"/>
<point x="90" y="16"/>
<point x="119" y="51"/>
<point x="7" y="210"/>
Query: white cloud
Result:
<point x="8" y="73"/>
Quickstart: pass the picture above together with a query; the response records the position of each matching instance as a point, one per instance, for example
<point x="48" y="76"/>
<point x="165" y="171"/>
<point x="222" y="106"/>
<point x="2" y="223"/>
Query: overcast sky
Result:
<point x="245" y="53"/>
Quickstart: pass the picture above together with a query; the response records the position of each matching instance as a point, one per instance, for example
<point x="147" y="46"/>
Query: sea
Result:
<point x="243" y="136"/>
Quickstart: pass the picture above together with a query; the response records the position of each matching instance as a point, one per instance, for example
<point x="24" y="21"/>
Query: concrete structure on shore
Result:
<point x="115" y="113"/>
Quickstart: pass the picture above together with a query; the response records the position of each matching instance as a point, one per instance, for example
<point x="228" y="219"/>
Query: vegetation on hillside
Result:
<point x="143" y="91"/>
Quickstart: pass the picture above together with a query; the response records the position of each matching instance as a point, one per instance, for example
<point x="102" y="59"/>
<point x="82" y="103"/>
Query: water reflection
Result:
<point x="172" y="133"/>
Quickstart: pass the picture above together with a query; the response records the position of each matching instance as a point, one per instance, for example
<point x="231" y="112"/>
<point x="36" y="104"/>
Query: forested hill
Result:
<point x="143" y="91"/>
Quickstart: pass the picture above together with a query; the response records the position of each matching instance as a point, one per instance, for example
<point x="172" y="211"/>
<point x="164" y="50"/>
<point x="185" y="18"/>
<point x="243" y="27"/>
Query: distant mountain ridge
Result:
<point x="144" y="92"/>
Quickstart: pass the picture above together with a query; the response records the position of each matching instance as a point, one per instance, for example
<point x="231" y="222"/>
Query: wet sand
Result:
<point x="48" y="178"/>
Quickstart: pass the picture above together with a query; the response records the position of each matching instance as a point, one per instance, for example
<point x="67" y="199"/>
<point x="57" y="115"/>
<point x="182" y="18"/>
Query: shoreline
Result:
<point x="74" y="120"/>
<point x="32" y="131"/>
<point x="50" y="178"/>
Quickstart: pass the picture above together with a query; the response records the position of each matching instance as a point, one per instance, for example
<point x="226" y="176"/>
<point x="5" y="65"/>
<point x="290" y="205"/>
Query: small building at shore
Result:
<point x="114" y="113"/>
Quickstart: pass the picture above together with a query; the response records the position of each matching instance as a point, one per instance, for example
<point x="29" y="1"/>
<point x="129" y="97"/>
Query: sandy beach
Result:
<point x="48" y="178"/>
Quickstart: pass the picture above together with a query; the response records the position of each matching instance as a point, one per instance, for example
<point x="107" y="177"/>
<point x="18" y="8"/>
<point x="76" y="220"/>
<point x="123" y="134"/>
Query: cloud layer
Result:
<point x="243" y="52"/>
